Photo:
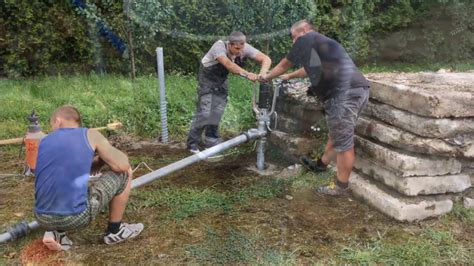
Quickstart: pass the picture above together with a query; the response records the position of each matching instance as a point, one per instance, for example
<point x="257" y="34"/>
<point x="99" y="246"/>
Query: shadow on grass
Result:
<point x="233" y="246"/>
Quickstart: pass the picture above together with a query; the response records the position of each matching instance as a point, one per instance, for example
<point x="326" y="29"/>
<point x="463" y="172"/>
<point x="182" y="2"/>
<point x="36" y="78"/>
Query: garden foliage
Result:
<point x="50" y="37"/>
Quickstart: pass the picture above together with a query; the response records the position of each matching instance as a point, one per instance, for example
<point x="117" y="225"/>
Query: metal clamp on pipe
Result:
<point x="263" y="108"/>
<point x="264" y="111"/>
<point x="19" y="230"/>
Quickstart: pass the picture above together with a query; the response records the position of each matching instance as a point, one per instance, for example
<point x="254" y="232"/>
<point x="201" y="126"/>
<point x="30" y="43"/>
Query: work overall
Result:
<point x="212" y="100"/>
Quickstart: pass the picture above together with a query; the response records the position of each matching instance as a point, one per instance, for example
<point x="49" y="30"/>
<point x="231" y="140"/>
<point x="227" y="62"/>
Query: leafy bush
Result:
<point x="49" y="37"/>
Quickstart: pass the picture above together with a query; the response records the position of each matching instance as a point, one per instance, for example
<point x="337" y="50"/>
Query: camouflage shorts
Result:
<point x="342" y="112"/>
<point x="100" y="193"/>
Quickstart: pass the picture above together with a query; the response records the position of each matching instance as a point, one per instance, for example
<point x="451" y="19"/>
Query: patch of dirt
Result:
<point x="36" y="253"/>
<point x="311" y="227"/>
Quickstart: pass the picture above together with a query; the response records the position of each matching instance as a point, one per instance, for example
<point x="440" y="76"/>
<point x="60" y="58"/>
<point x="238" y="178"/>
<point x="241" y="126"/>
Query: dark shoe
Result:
<point x="193" y="149"/>
<point x="332" y="189"/>
<point x="312" y="165"/>
<point x="211" y="142"/>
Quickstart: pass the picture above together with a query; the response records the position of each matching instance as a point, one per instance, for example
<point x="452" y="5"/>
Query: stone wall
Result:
<point x="414" y="141"/>
<point x="299" y="118"/>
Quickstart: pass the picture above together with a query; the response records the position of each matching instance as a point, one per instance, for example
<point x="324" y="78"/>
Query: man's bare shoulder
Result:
<point x="95" y="138"/>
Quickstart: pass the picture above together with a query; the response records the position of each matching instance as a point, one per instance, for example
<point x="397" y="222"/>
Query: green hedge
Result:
<point x="50" y="37"/>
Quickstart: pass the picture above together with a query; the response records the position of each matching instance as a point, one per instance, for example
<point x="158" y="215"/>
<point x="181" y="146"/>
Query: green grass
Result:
<point x="185" y="202"/>
<point x="109" y="98"/>
<point x="430" y="247"/>
<point x="264" y="189"/>
<point x="462" y="214"/>
<point x="310" y="180"/>
<point x="236" y="247"/>
<point x="182" y="202"/>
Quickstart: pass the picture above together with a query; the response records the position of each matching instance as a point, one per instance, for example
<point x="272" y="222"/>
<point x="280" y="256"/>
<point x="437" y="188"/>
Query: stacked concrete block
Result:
<point x="415" y="143"/>
<point x="299" y="118"/>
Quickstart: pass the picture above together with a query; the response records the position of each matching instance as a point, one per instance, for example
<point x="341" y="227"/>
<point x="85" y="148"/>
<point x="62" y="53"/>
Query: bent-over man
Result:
<point x="223" y="58"/>
<point x="339" y="85"/>
<point x="63" y="199"/>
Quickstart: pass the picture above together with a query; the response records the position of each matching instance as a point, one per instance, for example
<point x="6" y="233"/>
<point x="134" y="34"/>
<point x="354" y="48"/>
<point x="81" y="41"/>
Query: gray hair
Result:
<point x="237" y="36"/>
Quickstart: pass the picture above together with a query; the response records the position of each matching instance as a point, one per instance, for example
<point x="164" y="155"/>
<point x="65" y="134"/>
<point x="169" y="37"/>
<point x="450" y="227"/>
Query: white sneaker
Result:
<point x="127" y="231"/>
<point x="56" y="241"/>
<point x="194" y="150"/>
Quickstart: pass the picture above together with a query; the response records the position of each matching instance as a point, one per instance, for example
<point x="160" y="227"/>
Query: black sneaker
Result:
<point x="210" y="142"/>
<point x="193" y="149"/>
<point x="332" y="189"/>
<point x="312" y="165"/>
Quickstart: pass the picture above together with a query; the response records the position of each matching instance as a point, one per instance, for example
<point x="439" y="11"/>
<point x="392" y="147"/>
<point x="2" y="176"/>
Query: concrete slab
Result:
<point x="454" y="129"/>
<point x="412" y="186"/>
<point x="292" y="144"/>
<point x="468" y="169"/>
<point x="468" y="202"/>
<point x="304" y="107"/>
<point x="404" y="164"/>
<point x="399" y="207"/>
<point x="294" y="125"/>
<point x="428" y="94"/>
<point x="373" y="129"/>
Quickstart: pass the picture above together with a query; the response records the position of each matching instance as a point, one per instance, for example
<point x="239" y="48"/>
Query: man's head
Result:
<point x="300" y="28"/>
<point x="236" y="42"/>
<point x="65" y="116"/>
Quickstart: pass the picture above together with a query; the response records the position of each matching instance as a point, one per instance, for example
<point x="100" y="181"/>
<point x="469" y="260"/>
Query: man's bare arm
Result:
<point x="116" y="159"/>
<point x="235" y="69"/>
<point x="300" y="73"/>
<point x="264" y="61"/>
<point x="279" y="69"/>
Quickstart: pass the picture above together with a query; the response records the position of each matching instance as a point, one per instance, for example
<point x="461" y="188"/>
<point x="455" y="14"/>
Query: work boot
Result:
<point x="56" y="241"/>
<point x="211" y="142"/>
<point x="193" y="149"/>
<point x="314" y="166"/>
<point x="335" y="188"/>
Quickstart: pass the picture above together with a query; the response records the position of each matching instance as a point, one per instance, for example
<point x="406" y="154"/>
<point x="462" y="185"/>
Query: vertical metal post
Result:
<point x="161" y="80"/>
<point x="262" y="127"/>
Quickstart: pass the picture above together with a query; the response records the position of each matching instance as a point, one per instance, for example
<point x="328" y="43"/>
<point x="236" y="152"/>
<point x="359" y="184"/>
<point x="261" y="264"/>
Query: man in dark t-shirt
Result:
<point x="339" y="85"/>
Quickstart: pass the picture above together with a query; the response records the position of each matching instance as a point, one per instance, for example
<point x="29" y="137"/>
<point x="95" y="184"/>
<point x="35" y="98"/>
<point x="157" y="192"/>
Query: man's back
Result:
<point x="63" y="167"/>
<point x="327" y="64"/>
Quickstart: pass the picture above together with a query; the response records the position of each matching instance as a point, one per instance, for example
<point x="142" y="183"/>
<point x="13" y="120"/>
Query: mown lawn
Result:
<point x="106" y="99"/>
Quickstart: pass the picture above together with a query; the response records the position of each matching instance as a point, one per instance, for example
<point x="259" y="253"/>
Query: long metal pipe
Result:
<point x="250" y="134"/>
<point x="163" y="109"/>
<point x="23" y="228"/>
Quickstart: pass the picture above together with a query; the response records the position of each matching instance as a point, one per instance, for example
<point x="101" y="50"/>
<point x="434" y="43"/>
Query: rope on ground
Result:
<point x="144" y="164"/>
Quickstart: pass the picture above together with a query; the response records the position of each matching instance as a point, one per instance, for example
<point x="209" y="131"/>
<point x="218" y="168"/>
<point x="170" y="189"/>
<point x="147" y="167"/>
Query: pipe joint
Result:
<point x="19" y="230"/>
